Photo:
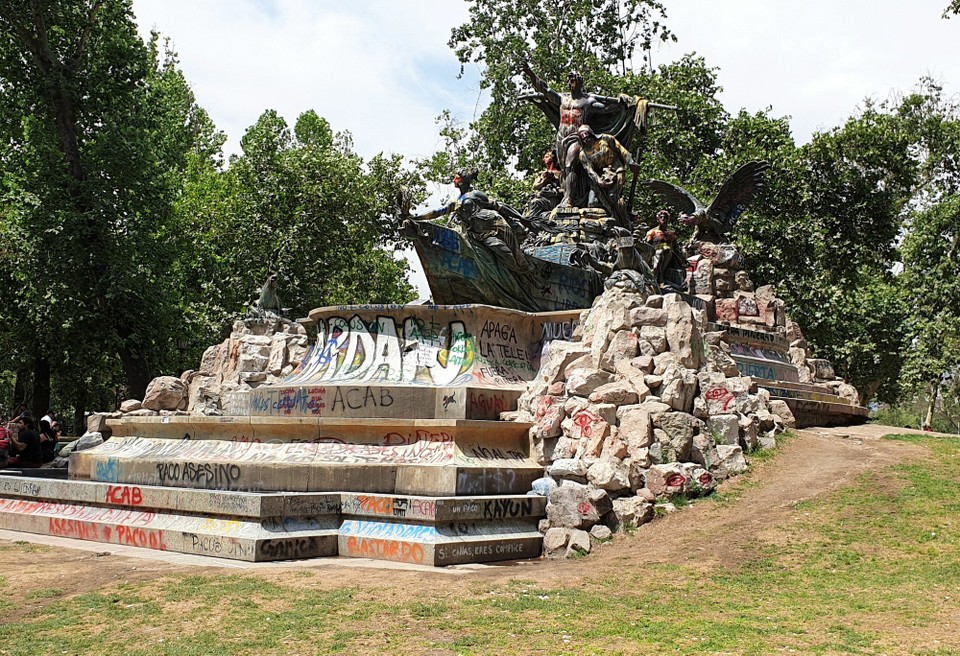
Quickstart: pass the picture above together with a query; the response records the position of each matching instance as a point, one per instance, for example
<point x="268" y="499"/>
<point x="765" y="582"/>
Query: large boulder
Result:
<point x="165" y="393"/>
<point x="577" y="506"/>
<point x="683" y="335"/>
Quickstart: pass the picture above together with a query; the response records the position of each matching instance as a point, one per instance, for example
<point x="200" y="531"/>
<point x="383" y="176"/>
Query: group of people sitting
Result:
<point x="26" y="443"/>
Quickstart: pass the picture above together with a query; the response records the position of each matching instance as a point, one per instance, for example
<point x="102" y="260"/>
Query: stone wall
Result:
<point x="258" y="352"/>
<point x="642" y="405"/>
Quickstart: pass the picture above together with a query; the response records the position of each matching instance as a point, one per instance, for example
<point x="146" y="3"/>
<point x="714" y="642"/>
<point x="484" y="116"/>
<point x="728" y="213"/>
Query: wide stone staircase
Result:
<point x="384" y="443"/>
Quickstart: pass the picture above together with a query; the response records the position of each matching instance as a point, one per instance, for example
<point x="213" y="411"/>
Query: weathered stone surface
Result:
<point x="635" y="429"/>
<point x="609" y="475"/>
<point x="703" y="451"/>
<point x="645" y="494"/>
<point x="782" y="410"/>
<point x="657" y="337"/>
<point x="654" y="301"/>
<point x="718" y="359"/>
<point x="130" y="405"/>
<point x="666" y="480"/>
<point x="725" y="429"/>
<point x="215" y="358"/>
<point x="793" y="331"/>
<point x="726" y="310"/>
<point x="699" y="480"/>
<point x="617" y="393"/>
<point x="543" y="486"/>
<point x="574" y="404"/>
<point x="631" y="511"/>
<point x="97" y="423"/>
<point x="565" y="447"/>
<point x="848" y="393"/>
<point x="767" y="421"/>
<point x="634" y="379"/>
<point x="576" y="506"/>
<point x="568" y="468"/>
<point x="555" y="542"/>
<point x="582" y="382"/>
<point x="679" y="388"/>
<point x="683" y="335"/>
<point x="610" y="313"/>
<point x="146" y="412"/>
<point x="702" y="279"/>
<point x="748" y="433"/>
<point x="654" y="406"/>
<point x="665" y="361"/>
<point x="731" y="456"/>
<point x="724" y="395"/>
<point x="643" y="363"/>
<point x="557" y="356"/>
<point x="767" y="440"/>
<point x="601" y="533"/>
<point x="743" y="282"/>
<point x="648" y="316"/>
<point x="165" y="393"/>
<point x="822" y="369"/>
<point x="723" y="282"/>
<point x="674" y="431"/>
<point x="277" y="358"/>
<point x="569" y="507"/>
<point x="549" y="416"/>
<point x="579" y="543"/>
<point x="615" y="447"/>
<point x="622" y="347"/>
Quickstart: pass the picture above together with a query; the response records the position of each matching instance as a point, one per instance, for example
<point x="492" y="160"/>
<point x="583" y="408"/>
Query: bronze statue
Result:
<point x="480" y="218"/>
<point x="667" y="264"/>
<point x="267" y="305"/>
<point x="548" y="188"/>
<point x="605" y="161"/>
<point x="715" y="221"/>
<point x="620" y="117"/>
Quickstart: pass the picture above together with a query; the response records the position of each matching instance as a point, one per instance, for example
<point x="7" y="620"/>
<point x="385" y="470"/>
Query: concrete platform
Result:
<point x="255" y="527"/>
<point x="438" y="457"/>
<point x="441" y="531"/>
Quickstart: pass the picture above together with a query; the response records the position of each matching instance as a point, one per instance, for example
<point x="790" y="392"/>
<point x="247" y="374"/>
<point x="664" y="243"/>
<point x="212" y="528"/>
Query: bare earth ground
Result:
<point x="810" y="465"/>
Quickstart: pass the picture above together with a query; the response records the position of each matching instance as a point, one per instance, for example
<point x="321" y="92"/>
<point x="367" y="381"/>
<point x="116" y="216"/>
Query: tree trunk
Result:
<point x="928" y="422"/>
<point x="41" y="387"/>
<point x="20" y="389"/>
<point x="80" y="413"/>
<point x="136" y="372"/>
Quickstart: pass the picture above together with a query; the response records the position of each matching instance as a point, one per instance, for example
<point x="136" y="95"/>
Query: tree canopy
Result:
<point x="127" y="246"/>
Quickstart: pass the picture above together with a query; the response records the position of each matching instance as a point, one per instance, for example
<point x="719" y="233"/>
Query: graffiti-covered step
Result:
<point x="278" y="430"/>
<point x="424" y="530"/>
<point x="238" y="526"/>
<point x="252" y="505"/>
<point x="441" y="531"/>
<point x="429" y="464"/>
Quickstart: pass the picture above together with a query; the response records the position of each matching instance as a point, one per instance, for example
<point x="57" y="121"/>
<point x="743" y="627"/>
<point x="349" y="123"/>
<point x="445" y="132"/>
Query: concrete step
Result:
<point x="438" y="457"/>
<point x="239" y="539"/>
<point x="277" y="526"/>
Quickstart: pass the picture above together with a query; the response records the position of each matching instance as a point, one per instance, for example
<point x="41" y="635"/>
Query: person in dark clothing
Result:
<point x="48" y="441"/>
<point x="26" y="444"/>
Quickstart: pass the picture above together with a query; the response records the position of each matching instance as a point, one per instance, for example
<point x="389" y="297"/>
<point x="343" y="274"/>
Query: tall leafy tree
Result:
<point x="96" y="126"/>
<point x="298" y="202"/>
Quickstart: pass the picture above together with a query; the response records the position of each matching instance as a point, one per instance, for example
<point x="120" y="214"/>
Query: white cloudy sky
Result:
<point x="382" y="70"/>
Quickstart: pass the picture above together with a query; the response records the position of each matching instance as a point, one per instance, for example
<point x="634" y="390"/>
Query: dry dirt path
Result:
<point x="810" y="465"/>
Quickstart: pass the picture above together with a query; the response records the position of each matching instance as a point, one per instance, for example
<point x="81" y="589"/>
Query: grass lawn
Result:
<point x="873" y="568"/>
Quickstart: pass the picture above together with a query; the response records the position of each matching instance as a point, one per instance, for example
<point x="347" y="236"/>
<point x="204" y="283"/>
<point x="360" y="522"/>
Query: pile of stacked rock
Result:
<point x="258" y="352"/>
<point x="643" y="405"/>
<point x="718" y="275"/>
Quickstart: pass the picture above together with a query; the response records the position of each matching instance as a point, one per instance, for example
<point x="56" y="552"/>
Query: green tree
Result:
<point x="96" y="129"/>
<point x="301" y="203"/>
